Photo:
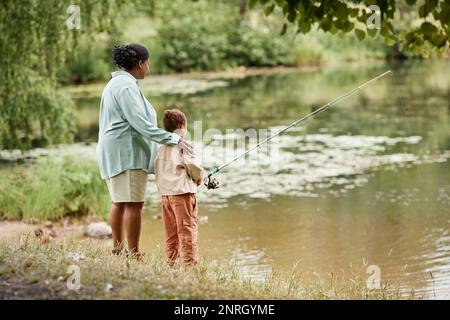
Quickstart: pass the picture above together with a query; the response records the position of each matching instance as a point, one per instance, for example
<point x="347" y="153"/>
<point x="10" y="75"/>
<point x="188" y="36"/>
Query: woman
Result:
<point x="127" y="142"/>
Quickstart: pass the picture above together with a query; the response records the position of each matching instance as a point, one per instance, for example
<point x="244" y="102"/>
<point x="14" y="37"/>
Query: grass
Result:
<point x="53" y="188"/>
<point x="25" y="261"/>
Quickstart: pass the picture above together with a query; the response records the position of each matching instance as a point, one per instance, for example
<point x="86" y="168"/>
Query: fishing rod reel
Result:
<point x="212" y="183"/>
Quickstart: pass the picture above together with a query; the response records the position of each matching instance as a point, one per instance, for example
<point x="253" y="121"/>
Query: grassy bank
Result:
<point x="42" y="269"/>
<point x="52" y="188"/>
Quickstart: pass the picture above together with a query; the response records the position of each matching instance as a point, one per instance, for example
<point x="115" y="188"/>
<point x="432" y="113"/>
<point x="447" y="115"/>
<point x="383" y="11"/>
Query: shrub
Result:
<point x="53" y="188"/>
<point x="249" y="47"/>
<point x="90" y="62"/>
<point x="209" y="36"/>
<point x="194" y="39"/>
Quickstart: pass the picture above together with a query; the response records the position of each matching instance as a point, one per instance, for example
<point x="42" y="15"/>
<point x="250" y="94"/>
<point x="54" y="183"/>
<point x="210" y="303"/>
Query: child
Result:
<point x="177" y="177"/>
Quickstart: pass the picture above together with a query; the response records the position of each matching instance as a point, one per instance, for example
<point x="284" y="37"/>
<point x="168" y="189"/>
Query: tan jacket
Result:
<point x="175" y="172"/>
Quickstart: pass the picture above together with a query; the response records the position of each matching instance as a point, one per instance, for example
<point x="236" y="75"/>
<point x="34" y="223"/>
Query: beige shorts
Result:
<point x="128" y="186"/>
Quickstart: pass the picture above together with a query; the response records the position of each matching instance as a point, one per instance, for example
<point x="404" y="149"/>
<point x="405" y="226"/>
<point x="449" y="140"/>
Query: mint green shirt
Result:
<point x="128" y="133"/>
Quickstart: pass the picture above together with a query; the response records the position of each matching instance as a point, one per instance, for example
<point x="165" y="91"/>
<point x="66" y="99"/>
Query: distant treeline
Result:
<point x="185" y="36"/>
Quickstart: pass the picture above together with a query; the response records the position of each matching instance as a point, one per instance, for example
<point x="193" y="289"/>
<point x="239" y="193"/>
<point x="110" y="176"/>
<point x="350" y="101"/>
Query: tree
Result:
<point x="352" y="15"/>
<point x="35" y="37"/>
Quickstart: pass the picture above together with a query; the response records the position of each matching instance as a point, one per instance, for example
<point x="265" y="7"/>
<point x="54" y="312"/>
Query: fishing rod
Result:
<point x="213" y="184"/>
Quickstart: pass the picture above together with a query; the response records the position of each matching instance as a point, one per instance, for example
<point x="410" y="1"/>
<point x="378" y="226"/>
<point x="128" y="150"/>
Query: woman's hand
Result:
<point x="185" y="147"/>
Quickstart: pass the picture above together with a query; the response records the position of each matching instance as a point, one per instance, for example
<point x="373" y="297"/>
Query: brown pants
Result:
<point x="179" y="214"/>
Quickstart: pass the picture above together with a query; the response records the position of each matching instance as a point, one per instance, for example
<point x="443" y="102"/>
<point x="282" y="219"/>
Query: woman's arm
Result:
<point x="190" y="163"/>
<point x="133" y="108"/>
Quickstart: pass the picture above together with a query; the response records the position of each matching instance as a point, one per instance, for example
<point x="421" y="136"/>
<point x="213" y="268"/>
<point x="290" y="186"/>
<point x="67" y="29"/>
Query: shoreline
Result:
<point x="33" y="269"/>
<point x="156" y="83"/>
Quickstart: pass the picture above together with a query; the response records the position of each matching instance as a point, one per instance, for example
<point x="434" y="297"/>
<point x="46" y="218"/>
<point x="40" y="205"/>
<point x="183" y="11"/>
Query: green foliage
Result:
<point x="249" y="47"/>
<point x="197" y="38"/>
<point x="232" y="38"/>
<point x="34" y="40"/>
<point x="343" y="16"/>
<point x="194" y="40"/>
<point x="207" y="36"/>
<point x="88" y="63"/>
<point x="35" y="109"/>
<point x="52" y="189"/>
<point x="318" y="46"/>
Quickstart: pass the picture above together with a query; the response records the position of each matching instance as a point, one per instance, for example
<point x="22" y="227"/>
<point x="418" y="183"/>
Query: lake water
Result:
<point x="365" y="183"/>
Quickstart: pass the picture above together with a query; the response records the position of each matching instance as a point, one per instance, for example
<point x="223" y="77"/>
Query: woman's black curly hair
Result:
<point x="128" y="56"/>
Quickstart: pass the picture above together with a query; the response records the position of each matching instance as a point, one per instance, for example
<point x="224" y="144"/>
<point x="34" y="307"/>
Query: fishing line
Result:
<point x="213" y="184"/>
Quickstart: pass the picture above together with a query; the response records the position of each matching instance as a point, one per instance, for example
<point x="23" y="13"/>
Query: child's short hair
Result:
<point x="173" y="119"/>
